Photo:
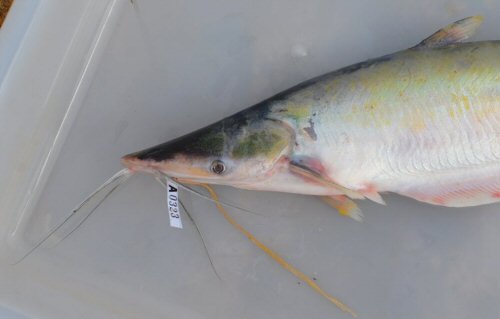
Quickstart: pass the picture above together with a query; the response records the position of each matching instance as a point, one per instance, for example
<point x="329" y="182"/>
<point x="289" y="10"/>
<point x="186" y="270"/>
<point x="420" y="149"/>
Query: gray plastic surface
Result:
<point x="174" y="66"/>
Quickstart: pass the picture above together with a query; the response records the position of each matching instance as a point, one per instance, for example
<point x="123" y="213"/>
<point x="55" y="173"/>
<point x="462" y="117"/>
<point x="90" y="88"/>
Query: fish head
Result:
<point x="235" y="151"/>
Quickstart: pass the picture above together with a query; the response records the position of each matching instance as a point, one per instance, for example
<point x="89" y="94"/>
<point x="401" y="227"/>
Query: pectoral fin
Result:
<point x="458" y="31"/>
<point x="311" y="169"/>
<point x="344" y="206"/>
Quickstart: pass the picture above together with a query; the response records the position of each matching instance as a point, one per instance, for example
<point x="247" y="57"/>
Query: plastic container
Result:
<point x="84" y="82"/>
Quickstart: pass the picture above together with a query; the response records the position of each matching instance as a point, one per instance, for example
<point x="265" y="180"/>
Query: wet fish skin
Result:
<point x="423" y="122"/>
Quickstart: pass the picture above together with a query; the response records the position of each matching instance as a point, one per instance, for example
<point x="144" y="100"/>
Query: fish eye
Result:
<point x="218" y="167"/>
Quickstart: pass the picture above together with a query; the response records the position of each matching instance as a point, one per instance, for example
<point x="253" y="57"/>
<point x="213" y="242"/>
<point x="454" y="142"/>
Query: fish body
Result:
<point x="423" y="122"/>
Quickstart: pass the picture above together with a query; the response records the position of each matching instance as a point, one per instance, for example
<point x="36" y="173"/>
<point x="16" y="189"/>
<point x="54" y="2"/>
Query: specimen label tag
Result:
<point x="173" y="204"/>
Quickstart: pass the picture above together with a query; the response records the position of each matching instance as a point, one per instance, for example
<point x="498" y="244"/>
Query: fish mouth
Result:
<point x="134" y="164"/>
<point x="178" y="171"/>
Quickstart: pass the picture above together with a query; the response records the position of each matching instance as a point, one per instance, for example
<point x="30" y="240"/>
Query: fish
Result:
<point x="423" y="123"/>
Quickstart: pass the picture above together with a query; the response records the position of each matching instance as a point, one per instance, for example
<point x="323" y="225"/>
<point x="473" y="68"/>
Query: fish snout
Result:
<point x="134" y="164"/>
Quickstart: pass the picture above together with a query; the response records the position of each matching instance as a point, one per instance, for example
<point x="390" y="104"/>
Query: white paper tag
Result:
<point x="174" y="211"/>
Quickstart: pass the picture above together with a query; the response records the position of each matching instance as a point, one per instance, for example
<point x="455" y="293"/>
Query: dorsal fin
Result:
<point x="458" y="31"/>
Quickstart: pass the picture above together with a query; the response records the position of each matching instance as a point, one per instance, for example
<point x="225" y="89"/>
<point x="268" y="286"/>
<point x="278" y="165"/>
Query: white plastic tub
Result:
<point x="84" y="82"/>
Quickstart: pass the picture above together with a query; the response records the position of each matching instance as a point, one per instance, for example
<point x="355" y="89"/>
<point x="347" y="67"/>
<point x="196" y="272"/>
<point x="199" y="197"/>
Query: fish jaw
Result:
<point x="178" y="168"/>
<point x="134" y="164"/>
<point x="186" y="170"/>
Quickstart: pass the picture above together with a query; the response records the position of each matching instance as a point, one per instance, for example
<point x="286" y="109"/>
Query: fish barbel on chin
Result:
<point x="423" y="123"/>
